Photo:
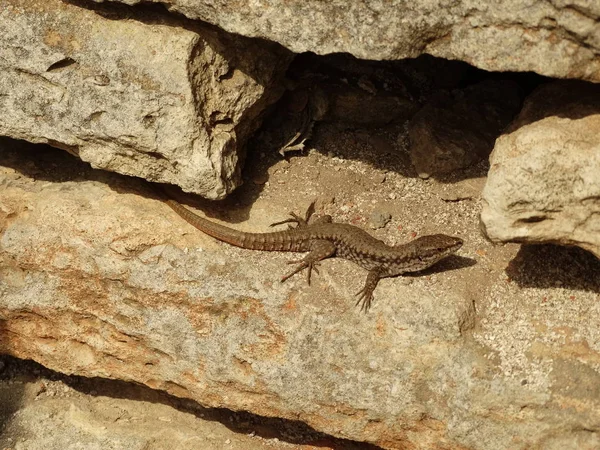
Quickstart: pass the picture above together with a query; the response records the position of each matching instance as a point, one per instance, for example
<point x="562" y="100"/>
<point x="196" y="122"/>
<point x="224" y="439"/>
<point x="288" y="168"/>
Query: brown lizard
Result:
<point x="323" y="238"/>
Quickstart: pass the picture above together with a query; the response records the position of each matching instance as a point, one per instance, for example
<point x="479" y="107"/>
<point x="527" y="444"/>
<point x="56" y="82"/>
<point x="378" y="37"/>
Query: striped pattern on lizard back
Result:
<point x="323" y="239"/>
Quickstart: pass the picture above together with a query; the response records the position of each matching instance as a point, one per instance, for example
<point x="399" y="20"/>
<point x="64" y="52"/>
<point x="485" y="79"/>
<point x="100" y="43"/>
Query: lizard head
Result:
<point x="430" y="249"/>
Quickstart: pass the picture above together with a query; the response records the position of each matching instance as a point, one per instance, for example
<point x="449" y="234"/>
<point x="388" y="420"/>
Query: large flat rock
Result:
<point x="100" y="278"/>
<point x="558" y="39"/>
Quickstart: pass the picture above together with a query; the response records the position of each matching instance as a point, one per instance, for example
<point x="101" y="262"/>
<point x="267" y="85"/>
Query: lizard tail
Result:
<point x="276" y="241"/>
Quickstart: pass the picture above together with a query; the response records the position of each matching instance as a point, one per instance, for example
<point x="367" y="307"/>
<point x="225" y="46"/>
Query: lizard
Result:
<point x="322" y="238"/>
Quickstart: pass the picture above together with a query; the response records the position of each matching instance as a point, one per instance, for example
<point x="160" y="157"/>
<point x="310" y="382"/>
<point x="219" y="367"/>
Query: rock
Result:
<point x="457" y="129"/>
<point x="468" y="189"/>
<point x="379" y="219"/>
<point x="567" y="98"/>
<point x="544" y="180"/>
<point x="99" y="278"/>
<point x="104" y="284"/>
<point x="56" y="412"/>
<point x="359" y="107"/>
<point x="550" y="38"/>
<point x="144" y="95"/>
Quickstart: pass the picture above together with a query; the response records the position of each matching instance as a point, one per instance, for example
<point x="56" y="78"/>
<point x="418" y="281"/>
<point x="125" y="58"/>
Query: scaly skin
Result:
<point x="323" y="239"/>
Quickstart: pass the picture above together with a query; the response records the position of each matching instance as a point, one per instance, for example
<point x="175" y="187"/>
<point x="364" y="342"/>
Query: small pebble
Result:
<point x="379" y="219"/>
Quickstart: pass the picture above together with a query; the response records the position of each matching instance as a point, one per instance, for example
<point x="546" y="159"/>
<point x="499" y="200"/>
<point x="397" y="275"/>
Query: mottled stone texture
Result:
<point x="101" y="279"/>
<point x="554" y="38"/>
<point x="544" y="180"/>
<point x="139" y="94"/>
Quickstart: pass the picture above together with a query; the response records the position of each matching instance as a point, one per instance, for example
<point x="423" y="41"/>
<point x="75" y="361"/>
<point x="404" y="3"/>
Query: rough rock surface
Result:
<point x="42" y="409"/>
<point x="554" y="38"/>
<point x="544" y="180"/>
<point x="458" y="128"/>
<point x="101" y="279"/>
<point x="135" y="93"/>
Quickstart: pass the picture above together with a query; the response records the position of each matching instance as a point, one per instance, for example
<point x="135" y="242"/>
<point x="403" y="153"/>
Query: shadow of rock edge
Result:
<point x="23" y="381"/>
<point x="11" y="394"/>
<point x="552" y="266"/>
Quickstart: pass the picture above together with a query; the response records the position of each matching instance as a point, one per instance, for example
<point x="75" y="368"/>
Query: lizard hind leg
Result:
<point x="296" y="219"/>
<point x="320" y="250"/>
<point x="365" y="295"/>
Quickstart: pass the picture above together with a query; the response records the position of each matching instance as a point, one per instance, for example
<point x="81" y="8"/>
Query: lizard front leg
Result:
<point x="320" y="249"/>
<point x="365" y="295"/>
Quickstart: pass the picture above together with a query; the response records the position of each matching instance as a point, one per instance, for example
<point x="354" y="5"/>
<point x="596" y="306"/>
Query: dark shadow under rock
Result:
<point x="544" y="266"/>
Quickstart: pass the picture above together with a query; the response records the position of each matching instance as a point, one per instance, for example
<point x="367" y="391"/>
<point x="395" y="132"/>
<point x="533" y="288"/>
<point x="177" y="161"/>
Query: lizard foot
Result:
<point x="366" y="298"/>
<point x="296" y="219"/>
<point x="365" y="295"/>
<point x="320" y="250"/>
<point x="310" y="265"/>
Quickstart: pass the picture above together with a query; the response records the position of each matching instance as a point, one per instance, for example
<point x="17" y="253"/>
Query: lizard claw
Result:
<point x="309" y="212"/>
<point x="299" y="221"/>
<point x="303" y="265"/>
<point x="365" y="295"/>
<point x="296" y="219"/>
<point x="364" y="298"/>
<point x="320" y="249"/>
<point x="311" y="267"/>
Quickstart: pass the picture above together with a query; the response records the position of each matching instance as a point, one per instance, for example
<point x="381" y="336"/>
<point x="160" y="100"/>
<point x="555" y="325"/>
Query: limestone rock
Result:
<point x="141" y="95"/>
<point x="359" y="107"/>
<point x="559" y="39"/>
<point x="100" y="279"/>
<point x="544" y="180"/>
<point x="112" y="285"/>
<point x="55" y="412"/>
<point x="457" y="129"/>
